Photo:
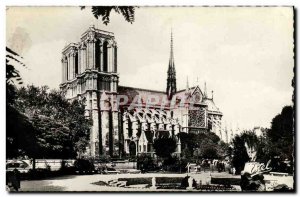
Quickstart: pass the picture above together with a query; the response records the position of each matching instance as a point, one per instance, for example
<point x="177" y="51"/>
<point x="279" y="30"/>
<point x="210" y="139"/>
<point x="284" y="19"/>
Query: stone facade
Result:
<point x="89" y="71"/>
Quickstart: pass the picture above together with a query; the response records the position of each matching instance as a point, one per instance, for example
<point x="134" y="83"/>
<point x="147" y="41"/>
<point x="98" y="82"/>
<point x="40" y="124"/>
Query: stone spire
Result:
<point x="205" y="90"/>
<point x="187" y="84"/>
<point x="171" y="80"/>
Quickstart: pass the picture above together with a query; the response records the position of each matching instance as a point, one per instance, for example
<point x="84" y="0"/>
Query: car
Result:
<point x="19" y="165"/>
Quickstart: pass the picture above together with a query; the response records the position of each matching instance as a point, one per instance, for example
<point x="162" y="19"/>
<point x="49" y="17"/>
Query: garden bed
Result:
<point x="225" y="181"/>
<point x="160" y="181"/>
<point x="136" y="181"/>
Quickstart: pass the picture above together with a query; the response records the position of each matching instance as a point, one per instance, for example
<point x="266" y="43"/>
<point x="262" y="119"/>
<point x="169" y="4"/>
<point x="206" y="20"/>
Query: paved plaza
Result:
<point x="84" y="182"/>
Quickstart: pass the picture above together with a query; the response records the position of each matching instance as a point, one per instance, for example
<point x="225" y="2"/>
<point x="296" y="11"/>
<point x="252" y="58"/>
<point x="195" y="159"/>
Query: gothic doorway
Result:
<point x="132" y="149"/>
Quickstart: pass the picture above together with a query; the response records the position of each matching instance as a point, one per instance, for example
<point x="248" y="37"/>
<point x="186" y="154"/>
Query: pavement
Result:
<point x="83" y="183"/>
<point x="80" y="183"/>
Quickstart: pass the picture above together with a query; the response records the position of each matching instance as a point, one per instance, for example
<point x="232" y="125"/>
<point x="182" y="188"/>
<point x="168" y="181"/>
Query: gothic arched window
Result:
<point x="97" y="54"/>
<point x="76" y="64"/>
<point x="105" y="58"/>
<point x="116" y="57"/>
<point x="67" y="68"/>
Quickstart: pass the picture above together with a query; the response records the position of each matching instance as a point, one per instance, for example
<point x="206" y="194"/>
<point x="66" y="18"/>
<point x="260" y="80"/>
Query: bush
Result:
<point x="84" y="166"/>
<point x="174" y="164"/>
<point x="145" y="163"/>
<point x="185" y="182"/>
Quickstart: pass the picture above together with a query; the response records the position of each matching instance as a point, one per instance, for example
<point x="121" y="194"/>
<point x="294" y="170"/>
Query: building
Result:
<point x="127" y="120"/>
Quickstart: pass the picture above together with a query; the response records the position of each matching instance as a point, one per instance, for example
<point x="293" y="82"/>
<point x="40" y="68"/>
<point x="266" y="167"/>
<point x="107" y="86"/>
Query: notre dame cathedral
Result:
<point x="89" y="70"/>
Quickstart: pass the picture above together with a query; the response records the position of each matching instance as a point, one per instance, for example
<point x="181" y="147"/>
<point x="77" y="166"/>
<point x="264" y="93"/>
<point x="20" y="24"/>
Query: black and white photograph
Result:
<point x="188" y="99"/>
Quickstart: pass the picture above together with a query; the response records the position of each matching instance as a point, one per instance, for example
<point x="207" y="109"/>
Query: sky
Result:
<point x="244" y="54"/>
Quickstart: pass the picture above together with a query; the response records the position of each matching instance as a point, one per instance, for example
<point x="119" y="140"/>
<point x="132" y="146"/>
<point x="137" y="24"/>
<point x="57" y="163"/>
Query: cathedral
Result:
<point x="127" y="120"/>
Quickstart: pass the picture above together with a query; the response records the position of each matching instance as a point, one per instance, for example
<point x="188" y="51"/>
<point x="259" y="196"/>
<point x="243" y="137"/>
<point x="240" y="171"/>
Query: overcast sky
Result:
<point x="245" y="55"/>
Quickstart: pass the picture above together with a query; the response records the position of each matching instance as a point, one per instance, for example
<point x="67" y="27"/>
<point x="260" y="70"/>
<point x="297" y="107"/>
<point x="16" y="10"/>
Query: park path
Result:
<point x="80" y="183"/>
<point x="84" y="182"/>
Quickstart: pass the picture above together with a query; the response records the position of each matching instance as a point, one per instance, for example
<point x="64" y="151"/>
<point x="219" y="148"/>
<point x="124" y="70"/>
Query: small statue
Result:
<point x="153" y="183"/>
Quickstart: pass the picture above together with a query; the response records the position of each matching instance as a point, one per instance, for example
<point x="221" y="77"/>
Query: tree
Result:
<point x="12" y="74"/>
<point x="104" y="12"/>
<point x="240" y="155"/>
<point x="20" y="135"/>
<point x="209" y="153"/>
<point x="279" y="142"/>
<point x="202" y="145"/>
<point x="281" y="134"/>
<point x="250" y="138"/>
<point x="61" y="129"/>
<point x="20" y="138"/>
<point x="164" y="147"/>
<point x="188" y="144"/>
<point x="145" y="162"/>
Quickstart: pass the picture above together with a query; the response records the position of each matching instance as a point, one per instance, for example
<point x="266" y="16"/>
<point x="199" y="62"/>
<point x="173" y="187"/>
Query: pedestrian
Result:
<point x="13" y="180"/>
<point x="233" y="171"/>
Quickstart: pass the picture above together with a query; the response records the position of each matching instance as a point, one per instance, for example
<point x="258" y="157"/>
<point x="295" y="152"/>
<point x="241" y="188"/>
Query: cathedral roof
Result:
<point x="131" y="93"/>
<point x="211" y="105"/>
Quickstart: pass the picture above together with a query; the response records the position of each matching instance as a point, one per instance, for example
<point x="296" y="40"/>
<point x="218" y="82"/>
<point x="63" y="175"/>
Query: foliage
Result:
<point x="164" y="147"/>
<point x="175" y="164"/>
<point x="188" y="144"/>
<point x="104" y="12"/>
<point x="104" y="158"/>
<point x="12" y="74"/>
<point x="61" y="128"/>
<point x="250" y="138"/>
<point x="210" y="153"/>
<point x="281" y="134"/>
<point x="276" y="143"/>
<point x="240" y="155"/>
<point x="145" y="162"/>
<point x="20" y="138"/>
<point x="202" y="145"/>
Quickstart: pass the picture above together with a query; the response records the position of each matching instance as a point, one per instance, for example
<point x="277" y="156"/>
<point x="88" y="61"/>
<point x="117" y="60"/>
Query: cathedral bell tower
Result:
<point x="171" y="80"/>
<point x="89" y="70"/>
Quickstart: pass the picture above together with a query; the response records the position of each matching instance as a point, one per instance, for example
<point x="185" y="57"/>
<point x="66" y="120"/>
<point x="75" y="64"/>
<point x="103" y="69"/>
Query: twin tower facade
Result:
<point x="89" y="71"/>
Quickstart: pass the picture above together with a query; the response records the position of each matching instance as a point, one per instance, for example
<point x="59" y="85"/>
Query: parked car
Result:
<point x="20" y="165"/>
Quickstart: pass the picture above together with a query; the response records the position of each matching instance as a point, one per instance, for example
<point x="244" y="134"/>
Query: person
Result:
<point x="199" y="168"/>
<point x="255" y="183"/>
<point x="13" y="180"/>
<point x="233" y="171"/>
<point x="188" y="167"/>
